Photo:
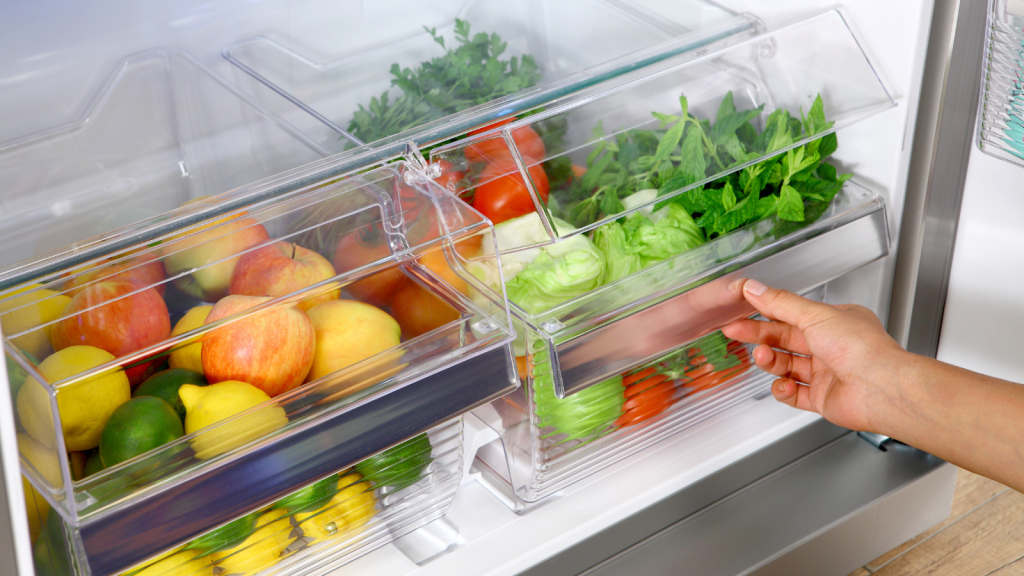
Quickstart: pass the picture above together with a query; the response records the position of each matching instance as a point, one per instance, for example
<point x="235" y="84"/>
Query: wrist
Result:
<point x="898" y="387"/>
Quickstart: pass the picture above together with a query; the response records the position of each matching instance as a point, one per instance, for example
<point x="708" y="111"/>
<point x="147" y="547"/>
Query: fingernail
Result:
<point x="754" y="287"/>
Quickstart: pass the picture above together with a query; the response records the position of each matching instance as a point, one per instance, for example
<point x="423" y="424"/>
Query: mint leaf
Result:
<point x="728" y="198"/>
<point x="791" y="205"/>
<point x="826" y="171"/>
<point x="727" y="126"/>
<point x="828" y="145"/>
<point x="670" y="141"/>
<point x="665" y="119"/>
<point x="726" y="108"/>
<point x="766" y="206"/>
<point x="692" y="161"/>
<point x="815" y="121"/>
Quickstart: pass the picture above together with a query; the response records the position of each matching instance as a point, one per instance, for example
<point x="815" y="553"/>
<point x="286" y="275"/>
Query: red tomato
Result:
<point x="449" y="178"/>
<point x="417" y="311"/>
<point x="483" y="129"/>
<point x="506" y="197"/>
<point x="530" y="146"/>
<point x="351" y="252"/>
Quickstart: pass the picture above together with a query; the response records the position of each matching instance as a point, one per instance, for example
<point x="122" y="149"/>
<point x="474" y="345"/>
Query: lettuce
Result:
<point x="640" y="242"/>
<point x="622" y="257"/>
<point x="548" y="281"/>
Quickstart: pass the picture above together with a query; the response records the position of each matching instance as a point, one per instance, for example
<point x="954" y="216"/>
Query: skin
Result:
<point x="839" y="362"/>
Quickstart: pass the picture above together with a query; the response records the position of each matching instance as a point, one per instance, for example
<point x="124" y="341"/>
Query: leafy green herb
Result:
<point x="469" y="74"/>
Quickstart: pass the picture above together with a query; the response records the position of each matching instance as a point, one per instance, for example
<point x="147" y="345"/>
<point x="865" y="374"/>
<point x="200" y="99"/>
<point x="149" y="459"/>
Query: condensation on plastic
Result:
<point x="361" y="514"/>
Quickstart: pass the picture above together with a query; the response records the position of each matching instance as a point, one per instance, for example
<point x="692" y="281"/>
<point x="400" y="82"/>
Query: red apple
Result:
<point x="104" y="315"/>
<point x="272" y="349"/>
<point x="213" y="252"/>
<point x="145" y="268"/>
<point x="282" y="268"/>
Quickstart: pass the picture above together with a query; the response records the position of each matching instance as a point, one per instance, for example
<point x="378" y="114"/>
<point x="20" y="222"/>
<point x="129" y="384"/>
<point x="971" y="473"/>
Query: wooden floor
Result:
<point x="983" y="536"/>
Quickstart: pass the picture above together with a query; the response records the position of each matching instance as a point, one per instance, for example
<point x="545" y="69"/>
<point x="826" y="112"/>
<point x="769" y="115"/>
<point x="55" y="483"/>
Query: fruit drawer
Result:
<point x="185" y="380"/>
<point x="623" y="217"/>
<point x="406" y="70"/>
<point x="328" y="523"/>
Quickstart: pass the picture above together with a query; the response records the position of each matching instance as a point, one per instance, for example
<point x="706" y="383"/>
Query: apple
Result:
<point x="347" y="332"/>
<point x="145" y="268"/>
<point x="213" y="252"/>
<point x="282" y="268"/>
<point x="271" y="349"/>
<point x="108" y="316"/>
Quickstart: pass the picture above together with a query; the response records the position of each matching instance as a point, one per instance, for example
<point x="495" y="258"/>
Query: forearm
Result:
<point x="971" y="420"/>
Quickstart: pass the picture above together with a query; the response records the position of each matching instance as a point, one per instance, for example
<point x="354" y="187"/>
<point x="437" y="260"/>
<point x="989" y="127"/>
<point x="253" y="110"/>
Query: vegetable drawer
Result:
<point x="625" y="217"/>
<point x="325" y="524"/>
<point x="330" y="322"/>
<point x="1000" y="120"/>
<point x="351" y="73"/>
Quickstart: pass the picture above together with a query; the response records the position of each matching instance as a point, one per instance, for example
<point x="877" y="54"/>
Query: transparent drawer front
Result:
<point x="419" y="69"/>
<point x="1000" y="120"/>
<point x="623" y="218"/>
<point x="162" y="131"/>
<point x="330" y="522"/>
<point x="180" y="383"/>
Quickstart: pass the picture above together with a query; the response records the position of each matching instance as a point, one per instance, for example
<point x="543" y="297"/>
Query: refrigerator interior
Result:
<point x="491" y="539"/>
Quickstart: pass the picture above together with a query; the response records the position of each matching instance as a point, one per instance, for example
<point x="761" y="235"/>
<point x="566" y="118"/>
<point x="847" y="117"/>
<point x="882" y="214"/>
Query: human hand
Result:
<point x="846" y="365"/>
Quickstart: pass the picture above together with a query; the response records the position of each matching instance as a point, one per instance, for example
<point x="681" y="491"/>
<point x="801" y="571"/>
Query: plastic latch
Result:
<point x="1015" y="7"/>
<point x="876" y="440"/>
<point x="551" y="326"/>
<point x="485" y="326"/>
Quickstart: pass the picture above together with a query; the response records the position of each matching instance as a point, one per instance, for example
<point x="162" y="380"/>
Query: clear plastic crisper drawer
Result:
<point x="622" y="217"/>
<point x="225" y="356"/>
<point x="340" y="517"/>
<point x="381" y="72"/>
<point x="163" y="130"/>
<point x="1000" y="119"/>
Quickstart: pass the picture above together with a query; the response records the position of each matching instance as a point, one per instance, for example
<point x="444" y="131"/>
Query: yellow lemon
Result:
<point x="349" y="510"/>
<point x="26" y="311"/>
<point x="84" y="406"/>
<point x="182" y="563"/>
<point x="44" y="459"/>
<point x="206" y="405"/>
<point x="189" y="356"/>
<point x="348" y="332"/>
<point x="37" y="508"/>
<point x="262" y="549"/>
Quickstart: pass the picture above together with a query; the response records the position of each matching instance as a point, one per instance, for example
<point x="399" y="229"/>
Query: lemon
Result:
<point x="262" y="549"/>
<point x="26" y="311"/>
<point x="208" y="405"/>
<point x="182" y="563"/>
<point x="44" y="459"/>
<point x="349" y="510"/>
<point x="84" y="406"/>
<point x="229" y="535"/>
<point x="189" y="356"/>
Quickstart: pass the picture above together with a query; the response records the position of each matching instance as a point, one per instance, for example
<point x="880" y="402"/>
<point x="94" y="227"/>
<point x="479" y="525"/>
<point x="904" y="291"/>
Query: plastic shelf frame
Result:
<point x="619" y="325"/>
<point x="1000" y="118"/>
<point x="350" y="513"/>
<point x="161" y="131"/>
<point x="329" y="63"/>
<point x="370" y="224"/>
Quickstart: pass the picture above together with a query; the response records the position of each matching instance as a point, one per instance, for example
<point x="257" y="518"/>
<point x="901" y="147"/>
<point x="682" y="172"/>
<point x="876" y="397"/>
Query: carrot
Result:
<point x="633" y="378"/>
<point x="639" y="415"/>
<point x="521" y="367"/>
<point x="640" y="387"/>
<point x="658" y="394"/>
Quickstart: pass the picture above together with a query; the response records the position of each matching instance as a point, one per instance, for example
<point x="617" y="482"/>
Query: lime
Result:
<point x="93" y="464"/>
<point x="311" y="497"/>
<point x="136" y="427"/>
<point x="399" y="466"/>
<point x="164" y="385"/>
<point x="50" y="554"/>
<point x="16" y="375"/>
<point x="227" y="536"/>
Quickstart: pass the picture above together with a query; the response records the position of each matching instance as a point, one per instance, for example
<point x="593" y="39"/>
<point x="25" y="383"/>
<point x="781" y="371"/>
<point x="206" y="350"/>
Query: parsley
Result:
<point x="467" y="75"/>
<point x="795" y="185"/>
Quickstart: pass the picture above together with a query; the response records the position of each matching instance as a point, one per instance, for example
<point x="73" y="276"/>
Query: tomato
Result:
<point x="359" y="248"/>
<point x="529" y="144"/>
<point x="417" y="311"/>
<point x="449" y="178"/>
<point x="507" y="197"/>
<point x="497" y="124"/>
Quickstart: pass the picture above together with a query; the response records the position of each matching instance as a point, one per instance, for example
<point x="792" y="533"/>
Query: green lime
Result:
<point x="227" y="536"/>
<point x="312" y="497"/>
<point x="399" y="466"/>
<point x="136" y="427"/>
<point x="164" y="385"/>
<point x="50" y="554"/>
<point x="93" y="464"/>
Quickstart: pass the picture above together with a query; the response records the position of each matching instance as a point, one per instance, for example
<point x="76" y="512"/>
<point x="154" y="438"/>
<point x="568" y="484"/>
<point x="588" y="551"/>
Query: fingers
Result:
<point x="792" y="394"/>
<point x="784" y="306"/>
<point x="783" y="364"/>
<point x="774" y="334"/>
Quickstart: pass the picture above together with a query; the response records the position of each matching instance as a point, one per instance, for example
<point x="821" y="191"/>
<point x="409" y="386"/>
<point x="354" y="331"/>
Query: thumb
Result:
<point x="783" y="305"/>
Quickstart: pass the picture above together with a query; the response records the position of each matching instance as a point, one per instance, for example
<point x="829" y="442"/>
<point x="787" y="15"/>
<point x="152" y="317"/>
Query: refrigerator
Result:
<point x="500" y="436"/>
